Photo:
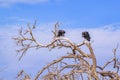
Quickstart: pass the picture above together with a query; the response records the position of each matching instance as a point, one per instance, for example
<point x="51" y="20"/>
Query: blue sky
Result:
<point x="78" y="12"/>
<point x="100" y="17"/>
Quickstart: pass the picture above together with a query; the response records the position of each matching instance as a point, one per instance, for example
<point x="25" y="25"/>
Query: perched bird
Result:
<point x="61" y="33"/>
<point x="86" y="35"/>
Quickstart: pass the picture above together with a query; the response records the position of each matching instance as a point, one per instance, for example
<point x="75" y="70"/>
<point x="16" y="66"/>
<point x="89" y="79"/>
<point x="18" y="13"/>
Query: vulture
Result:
<point x="86" y="35"/>
<point x="61" y="33"/>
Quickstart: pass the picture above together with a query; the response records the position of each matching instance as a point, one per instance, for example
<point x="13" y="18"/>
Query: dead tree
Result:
<point x="83" y="66"/>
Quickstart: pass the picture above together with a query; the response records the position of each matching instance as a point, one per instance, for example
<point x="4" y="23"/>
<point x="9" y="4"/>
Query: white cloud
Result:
<point x="105" y="39"/>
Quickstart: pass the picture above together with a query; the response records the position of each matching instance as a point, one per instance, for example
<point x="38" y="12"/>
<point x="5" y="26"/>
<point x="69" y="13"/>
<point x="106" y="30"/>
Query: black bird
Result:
<point x="61" y="33"/>
<point x="86" y="35"/>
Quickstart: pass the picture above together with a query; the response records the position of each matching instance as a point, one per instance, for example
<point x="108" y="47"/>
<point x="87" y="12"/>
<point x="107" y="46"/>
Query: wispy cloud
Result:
<point x="104" y="40"/>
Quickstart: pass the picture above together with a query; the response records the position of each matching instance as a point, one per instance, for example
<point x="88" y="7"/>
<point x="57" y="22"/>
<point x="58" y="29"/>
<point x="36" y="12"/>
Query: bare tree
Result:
<point x="81" y="65"/>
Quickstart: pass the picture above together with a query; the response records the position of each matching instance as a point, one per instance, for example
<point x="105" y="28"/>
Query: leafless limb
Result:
<point x="22" y="75"/>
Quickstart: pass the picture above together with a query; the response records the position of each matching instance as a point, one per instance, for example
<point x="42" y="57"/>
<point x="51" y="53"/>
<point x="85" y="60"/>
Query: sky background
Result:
<point x="100" y="17"/>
